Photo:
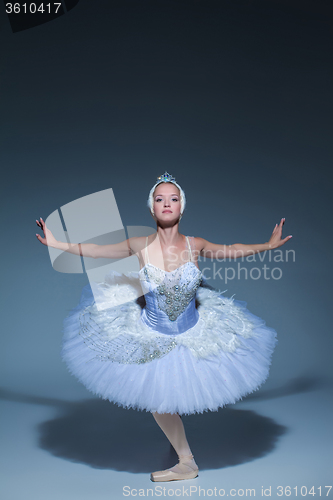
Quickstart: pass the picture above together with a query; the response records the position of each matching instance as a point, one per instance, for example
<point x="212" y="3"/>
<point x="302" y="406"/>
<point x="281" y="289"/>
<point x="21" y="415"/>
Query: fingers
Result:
<point x="40" y="223"/>
<point x="279" y="226"/>
<point x="277" y="233"/>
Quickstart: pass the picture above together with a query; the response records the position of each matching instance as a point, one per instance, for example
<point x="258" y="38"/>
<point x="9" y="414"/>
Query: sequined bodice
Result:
<point x="170" y="297"/>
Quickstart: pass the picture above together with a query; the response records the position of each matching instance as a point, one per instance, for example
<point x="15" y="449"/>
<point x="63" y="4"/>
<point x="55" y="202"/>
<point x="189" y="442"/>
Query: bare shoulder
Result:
<point x="137" y="244"/>
<point x="199" y="243"/>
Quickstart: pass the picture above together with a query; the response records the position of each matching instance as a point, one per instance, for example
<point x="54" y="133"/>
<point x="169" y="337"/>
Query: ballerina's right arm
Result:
<point x="116" y="251"/>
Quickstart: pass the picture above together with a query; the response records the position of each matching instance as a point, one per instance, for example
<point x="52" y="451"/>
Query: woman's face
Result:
<point x="167" y="202"/>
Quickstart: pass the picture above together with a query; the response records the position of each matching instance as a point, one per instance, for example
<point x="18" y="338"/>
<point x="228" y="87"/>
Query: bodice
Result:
<point x="170" y="297"/>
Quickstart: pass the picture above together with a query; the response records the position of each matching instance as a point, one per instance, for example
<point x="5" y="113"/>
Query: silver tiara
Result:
<point x="166" y="178"/>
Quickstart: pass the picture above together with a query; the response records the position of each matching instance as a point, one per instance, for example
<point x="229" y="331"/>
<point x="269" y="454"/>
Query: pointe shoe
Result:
<point x="183" y="470"/>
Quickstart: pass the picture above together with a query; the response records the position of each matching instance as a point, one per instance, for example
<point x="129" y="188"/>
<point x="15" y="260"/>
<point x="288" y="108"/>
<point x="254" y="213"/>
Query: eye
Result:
<point x="158" y="199"/>
<point x="174" y="199"/>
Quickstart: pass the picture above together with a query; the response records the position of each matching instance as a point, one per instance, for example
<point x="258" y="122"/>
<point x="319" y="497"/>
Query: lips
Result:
<point x="166" y="212"/>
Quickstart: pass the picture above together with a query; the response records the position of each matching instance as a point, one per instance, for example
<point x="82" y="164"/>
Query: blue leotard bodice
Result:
<point x="170" y="296"/>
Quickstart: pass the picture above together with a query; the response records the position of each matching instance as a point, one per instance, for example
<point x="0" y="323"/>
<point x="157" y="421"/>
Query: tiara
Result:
<point x="166" y="178"/>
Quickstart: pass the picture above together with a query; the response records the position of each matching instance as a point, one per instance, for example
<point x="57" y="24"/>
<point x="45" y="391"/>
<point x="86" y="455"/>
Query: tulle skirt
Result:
<point x="224" y="357"/>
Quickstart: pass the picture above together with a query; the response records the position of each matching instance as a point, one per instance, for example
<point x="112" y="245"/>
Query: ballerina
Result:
<point x="188" y="349"/>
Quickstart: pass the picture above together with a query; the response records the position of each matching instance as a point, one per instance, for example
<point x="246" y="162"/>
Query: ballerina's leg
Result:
<point x="173" y="428"/>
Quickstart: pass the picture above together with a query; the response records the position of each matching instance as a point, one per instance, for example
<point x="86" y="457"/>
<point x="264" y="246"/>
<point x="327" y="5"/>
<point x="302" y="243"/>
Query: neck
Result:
<point x="168" y="235"/>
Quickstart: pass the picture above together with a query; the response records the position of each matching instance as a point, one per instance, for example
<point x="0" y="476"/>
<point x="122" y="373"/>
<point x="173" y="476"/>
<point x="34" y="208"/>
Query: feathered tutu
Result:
<point x="134" y="353"/>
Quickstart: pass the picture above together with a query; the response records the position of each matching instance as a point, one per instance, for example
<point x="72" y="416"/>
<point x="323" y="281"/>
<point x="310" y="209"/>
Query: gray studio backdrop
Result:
<point x="232" y="98"/>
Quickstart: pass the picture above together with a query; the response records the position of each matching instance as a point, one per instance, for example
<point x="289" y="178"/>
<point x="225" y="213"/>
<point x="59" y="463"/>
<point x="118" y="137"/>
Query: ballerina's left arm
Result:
<point x="214" y="251"/>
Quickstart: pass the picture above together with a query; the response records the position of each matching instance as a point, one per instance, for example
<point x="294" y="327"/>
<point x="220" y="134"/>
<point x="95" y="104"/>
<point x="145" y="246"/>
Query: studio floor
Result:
<point x="276" y="443"/>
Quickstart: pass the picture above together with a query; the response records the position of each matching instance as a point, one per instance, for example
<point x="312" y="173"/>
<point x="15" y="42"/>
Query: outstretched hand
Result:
<point x="276" y="240"/>
<point x="49" y="239"/>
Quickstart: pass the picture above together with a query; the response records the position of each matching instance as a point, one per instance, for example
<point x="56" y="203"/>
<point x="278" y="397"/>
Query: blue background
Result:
<point x="235" y="100"/>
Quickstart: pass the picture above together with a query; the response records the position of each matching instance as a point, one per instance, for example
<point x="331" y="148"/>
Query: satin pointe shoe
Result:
<point x="185" y="469"/>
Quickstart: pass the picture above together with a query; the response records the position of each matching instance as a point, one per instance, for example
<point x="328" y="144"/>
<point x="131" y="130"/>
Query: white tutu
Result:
<point x="138" y="355"/>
